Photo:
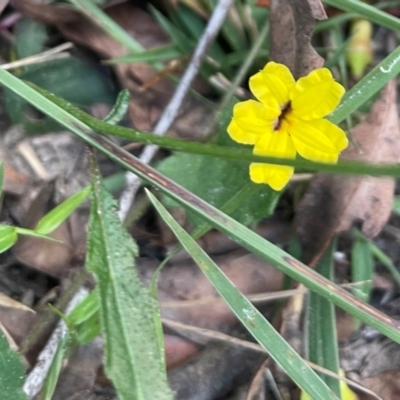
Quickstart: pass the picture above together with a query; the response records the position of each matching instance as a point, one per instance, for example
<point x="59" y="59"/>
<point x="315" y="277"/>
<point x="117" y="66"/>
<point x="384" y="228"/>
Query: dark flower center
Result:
<point x="284" y="111"/>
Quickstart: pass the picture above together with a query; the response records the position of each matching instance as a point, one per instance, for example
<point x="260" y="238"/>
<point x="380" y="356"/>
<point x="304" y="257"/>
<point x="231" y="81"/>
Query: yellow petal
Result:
<point x="274" y="81"/>
<point x="240" y="135"/>
<point x="317" y="140"/>
<point x="315" y="95"/>
<point x="255" y="117"/>
<point x="276" y="176"/>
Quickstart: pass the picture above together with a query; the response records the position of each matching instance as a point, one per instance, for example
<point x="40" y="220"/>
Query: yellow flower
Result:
<point x="288" y="119"/>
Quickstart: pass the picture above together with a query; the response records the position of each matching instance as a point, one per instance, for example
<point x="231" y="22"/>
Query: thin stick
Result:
<point x="171" y="111"/>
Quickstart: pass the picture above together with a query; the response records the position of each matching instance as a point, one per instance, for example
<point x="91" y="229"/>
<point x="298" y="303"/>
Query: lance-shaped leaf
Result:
<point x="133" y="360"/>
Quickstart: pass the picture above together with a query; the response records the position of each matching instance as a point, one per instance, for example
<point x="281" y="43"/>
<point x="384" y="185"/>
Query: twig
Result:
<point x="171" y="111"/>
<point x="34" y="381"/>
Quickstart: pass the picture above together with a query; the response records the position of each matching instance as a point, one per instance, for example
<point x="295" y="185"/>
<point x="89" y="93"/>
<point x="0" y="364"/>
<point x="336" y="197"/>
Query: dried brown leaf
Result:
<point x="14" y="181"/>
<point x="184" y="281"/>
<point x="333" y="203"/>
<point x="292" y="25"/>
<point x="8" y="302"/>
<point x="78" y="379"/>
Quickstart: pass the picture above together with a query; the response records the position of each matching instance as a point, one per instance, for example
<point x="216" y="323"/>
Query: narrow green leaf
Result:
<point x="126" y="307"/>
<point x="321" y="326"/>
<point x="30" y="232"/>
<point x="161" y="53"/>
<point x="84" y="320"/>
<point x="367" y="11"/>
<point x="179" y="38"/>
<point x="84" y="126"/>
<point x="94" y="13"/>
<point x="53" y="374"/>
<point x="12" y="372"/>
<point x="88" y="330"/>
<point x="251" y="318"/>
<point x="8" y="237"/>
<point x="120" y="108"/>
<point x="375" y="80"/>
<point x="59" y="214"/>
<point x="362" y="268"/>
<point x="380" y="256"/>
<point x="396" y="205"/>
<point x="85" y="309"/>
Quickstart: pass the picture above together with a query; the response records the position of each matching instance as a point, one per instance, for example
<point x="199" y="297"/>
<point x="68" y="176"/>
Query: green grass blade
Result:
<point x="8" y="237"/>
<point x="321" y="326"/>
<point x="53" y="374"/>
<point x="375" y="80"/>
<point x="180" y="39"/>
<point x="126" y="307"/>
<point x="251" y="318"/>
<point x="380" y="256"/>
<point x="59" y="214"/>
<point x="362" y="268"/>
<point x="95" y="14"/>
<point x="83" y="125"/>
<point x="161" y="53"/>
<point x="367" y="11"/>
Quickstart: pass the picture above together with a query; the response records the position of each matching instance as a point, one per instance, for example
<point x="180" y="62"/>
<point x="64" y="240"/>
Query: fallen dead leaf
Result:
<point x="178" y="350"/>
<point x="78" y="379"/>
<point x="182" y="281"/>
<point x="14" y="181"/>
<point x="333" y="203"/>
<point x="292" y="26"/>
<point x="8" y="302"/>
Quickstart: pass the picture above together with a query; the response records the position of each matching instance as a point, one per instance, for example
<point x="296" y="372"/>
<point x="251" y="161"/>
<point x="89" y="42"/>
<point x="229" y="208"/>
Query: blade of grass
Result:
<point x="49" y="386"/>
<point x="94" y="13"/>
<point x="321" y="326"/>
<point x="250" y="317"/>
<point x="73" y="118"/>
<point x="367" y="11"/>
<point x="362" y="268"/>
<point x="375" y="80"/>
<point x="161" y="53"/>
<point x="59" y="214"/>
<point x="380" y="256"/>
